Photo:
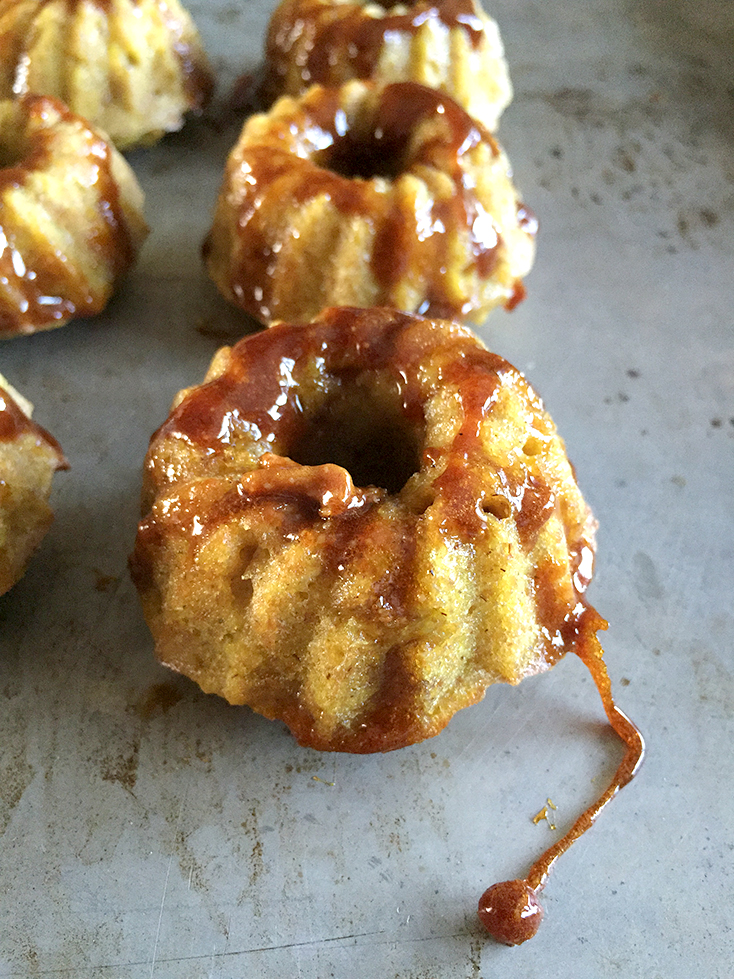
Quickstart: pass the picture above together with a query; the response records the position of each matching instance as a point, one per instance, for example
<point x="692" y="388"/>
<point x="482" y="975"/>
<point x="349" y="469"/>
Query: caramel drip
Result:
<point x="401" y="112"/>
<point x="510" y="910"/>
<point x="519" y="293"/>
<point x="521" y="495"/>
<point x="392" y="717"/>
<point x="478" y="391"/>
<point x="115" y="245"/>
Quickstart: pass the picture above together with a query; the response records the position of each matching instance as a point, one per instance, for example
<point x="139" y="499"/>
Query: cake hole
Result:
<point x="533" y="446"/>
<point x="364" y="156"/>
<point x="498" y="506"/>
<point x="364" y="434"/>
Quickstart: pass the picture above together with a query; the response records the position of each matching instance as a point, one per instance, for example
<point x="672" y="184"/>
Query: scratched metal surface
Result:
<point x="149" y="831"/>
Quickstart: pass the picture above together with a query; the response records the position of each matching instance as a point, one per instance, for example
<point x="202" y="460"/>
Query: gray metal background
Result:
<point x="149" y="831"/>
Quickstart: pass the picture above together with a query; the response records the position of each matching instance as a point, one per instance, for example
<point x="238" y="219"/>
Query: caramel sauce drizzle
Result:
<point x="510" y="910"/>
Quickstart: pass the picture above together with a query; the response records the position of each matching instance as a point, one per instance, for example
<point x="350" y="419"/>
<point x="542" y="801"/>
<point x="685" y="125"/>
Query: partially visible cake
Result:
<point x="133" y="68"/>
<point x="368" y="195"/>
<point x="71" y="216"/>
<point x="29" y="456"/>
<point x="450" y="45"/>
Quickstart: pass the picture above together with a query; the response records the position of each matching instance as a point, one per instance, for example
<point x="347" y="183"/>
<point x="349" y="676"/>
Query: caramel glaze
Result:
<point x="50" y="289"/>
<point x="510" y="910"/>
<point x="260" y="388"/>
<point x="345" y="27"/>
<point x="389" y="144"/>
<point x="14" y="423"/>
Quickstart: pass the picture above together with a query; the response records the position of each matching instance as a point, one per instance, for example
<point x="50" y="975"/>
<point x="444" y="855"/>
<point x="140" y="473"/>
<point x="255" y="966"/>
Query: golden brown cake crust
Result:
<point x="71" y="220"/>
<point x="357" y="525"/>
<point x="29" y="456"/>
<point x="451" y="45"/>
<point x="368" y="195"/>
<point x="133" y="68"/>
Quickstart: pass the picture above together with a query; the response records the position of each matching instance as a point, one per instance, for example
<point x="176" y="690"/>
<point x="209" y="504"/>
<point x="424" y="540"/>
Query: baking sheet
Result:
<point x="147" y="830"/>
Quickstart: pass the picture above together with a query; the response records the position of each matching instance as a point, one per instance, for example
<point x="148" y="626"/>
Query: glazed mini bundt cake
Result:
<point x="451" y="45"/>
<point x="71" y="220"/>
<point x="29" y="457"/>
<point x="133" y="68"/>
<point x="369" y="195"/>
<point x="356" y="525"/>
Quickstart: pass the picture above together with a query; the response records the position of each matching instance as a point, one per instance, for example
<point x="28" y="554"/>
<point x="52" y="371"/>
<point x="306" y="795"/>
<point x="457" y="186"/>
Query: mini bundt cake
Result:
<point x="133" y="68"/>
<point x="451" y="45"/>
<point x="367" y="195"/>
<point x="356" y="525"/>
<point x="29" y="457"/>
<point x="71" y="220"/>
